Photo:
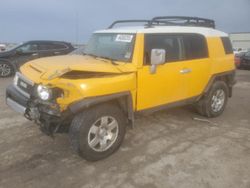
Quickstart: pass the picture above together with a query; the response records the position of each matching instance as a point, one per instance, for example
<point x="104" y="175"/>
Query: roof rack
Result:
<point x="171" y="21"/>
<point x="182" y="21"/>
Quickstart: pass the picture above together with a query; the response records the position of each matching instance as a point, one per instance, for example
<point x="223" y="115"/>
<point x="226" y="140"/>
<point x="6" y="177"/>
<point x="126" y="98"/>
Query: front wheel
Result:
<point x="98" y="132"/>
<point x="6" y="69"/>
<point x="214" y="102"/>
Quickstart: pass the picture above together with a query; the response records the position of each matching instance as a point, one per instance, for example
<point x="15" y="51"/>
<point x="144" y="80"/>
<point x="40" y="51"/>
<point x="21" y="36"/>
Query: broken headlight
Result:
<point x="44" y="92"/>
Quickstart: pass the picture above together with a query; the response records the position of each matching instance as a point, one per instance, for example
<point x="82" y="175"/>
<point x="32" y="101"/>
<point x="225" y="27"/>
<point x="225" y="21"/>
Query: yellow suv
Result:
<point x="94" y="94"/>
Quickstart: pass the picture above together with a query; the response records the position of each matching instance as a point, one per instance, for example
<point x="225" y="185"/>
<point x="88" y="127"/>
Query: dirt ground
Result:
<point x="167" y="149"/>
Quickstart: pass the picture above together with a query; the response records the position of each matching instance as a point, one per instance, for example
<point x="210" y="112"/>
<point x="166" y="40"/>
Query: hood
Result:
<point x="5" y="54"/>
<point x="53" y="67"/>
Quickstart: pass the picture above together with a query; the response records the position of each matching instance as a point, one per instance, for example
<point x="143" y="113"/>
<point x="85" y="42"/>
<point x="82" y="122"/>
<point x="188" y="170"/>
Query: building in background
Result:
<point x="240" y="41"/>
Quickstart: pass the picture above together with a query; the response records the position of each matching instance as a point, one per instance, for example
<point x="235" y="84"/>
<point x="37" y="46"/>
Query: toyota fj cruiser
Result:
<point x="167" y="62"/>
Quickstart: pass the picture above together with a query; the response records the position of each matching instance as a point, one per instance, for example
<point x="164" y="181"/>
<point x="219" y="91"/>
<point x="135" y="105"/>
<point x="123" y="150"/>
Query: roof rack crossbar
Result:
<point x="128" y="21"/>
<point x="182" y="21"/>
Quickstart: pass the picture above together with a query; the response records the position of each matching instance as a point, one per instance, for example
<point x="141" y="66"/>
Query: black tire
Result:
<point x="82" y="123"/>
<point x="204" y="106"/>
<point x="7" y="66"/>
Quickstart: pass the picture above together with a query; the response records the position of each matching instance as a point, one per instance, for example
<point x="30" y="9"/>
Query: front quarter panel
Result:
<point x="79" y="89"/>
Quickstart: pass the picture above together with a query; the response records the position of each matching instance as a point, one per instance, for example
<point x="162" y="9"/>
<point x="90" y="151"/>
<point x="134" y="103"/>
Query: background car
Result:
<point x="2" y="47"/>
<point x="244" y="60"/>
<point x="12" y="59"/>
<point x="239" y="50"/>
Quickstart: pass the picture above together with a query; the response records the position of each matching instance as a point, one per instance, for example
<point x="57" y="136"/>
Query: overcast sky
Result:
<point x="75" y="20"/>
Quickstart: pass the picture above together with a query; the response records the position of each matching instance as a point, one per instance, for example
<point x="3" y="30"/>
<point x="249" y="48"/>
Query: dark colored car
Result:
<point x="244" y="61"/>
<point x="12" y="59"/>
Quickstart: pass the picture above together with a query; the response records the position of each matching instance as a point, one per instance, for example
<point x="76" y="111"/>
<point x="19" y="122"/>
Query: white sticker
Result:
<point x="124" y="38"/>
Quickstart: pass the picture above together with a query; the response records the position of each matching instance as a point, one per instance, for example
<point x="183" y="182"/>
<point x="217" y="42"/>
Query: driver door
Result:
<point x="166" y="84"/>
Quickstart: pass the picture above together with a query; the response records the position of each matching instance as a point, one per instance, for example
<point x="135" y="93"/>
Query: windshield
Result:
<point x="118" y="47"/>
<point x="13" y="46"/>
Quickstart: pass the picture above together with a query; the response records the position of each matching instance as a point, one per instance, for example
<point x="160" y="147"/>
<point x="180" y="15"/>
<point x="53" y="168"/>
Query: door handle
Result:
<point x="185" y="71"/>
<point x="56" y="53"/>
<point x="34" y="54"/>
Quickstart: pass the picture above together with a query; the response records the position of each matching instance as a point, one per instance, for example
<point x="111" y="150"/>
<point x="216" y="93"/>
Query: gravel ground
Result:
<point x="166" y="149"/>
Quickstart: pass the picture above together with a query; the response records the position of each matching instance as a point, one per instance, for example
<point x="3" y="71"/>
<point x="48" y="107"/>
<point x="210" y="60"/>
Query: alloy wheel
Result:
<point x="218" y="100"/>
<point x="103" y="133"/>
<point x="5" y="70"/>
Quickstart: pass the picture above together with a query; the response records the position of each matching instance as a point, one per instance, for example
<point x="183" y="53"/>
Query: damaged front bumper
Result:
<point x="47" y="115"/>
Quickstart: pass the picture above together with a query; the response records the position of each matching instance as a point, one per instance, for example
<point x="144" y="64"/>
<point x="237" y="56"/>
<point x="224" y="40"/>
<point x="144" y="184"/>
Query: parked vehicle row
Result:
<point x="95" y="94"/>
<point x="12" y="59"/>
<point x="239" y="50"/>
<point x="243" y="60"/>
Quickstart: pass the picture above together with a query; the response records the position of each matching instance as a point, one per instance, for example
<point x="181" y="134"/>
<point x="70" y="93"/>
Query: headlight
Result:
<point x="44" y="92"/>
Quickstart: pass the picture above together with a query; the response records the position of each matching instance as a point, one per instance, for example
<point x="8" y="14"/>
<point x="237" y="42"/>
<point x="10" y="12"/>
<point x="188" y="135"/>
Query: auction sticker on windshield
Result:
<point x="124" y="38"/>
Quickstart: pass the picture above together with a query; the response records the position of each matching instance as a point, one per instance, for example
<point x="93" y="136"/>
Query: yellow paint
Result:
<point x="122" y="77"/>
<point x="169" y="85"/>
<point x="148" y="90"/>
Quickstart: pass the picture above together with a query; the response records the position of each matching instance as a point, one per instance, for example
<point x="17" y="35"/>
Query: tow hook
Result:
<point x="32" y="114"/>
<point x="46" y="129"/>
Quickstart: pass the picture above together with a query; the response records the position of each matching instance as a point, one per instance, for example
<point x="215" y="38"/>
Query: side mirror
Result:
<point x="158" y="57"/>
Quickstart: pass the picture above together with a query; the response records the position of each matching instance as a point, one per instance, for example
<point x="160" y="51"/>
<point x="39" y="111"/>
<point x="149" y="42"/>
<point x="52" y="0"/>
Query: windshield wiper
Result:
<point x="102" y="57"/>
<point x="89" y="54"/>
<point x="107" y="58"/>
<point x="110" y="59"/>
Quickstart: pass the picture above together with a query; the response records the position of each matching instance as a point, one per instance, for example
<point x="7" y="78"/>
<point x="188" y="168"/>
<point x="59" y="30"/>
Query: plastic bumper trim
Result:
<point x="15" y="106"/>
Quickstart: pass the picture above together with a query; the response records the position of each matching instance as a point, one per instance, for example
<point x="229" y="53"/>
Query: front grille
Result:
<point x="23" y="85"/>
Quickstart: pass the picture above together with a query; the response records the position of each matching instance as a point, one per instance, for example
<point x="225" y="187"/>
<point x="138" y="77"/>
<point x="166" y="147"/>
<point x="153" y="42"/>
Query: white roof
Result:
<point x="208" y="32"/>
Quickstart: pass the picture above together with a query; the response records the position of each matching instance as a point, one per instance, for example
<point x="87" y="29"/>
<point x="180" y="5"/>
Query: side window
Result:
<point x="227" y="45"/>
<point x="195" y="46"/>
<point x="58" y="46"/>
<point x="28" y="48"/>
<point x="171" y="43"/>
<point x="44" y="47"/>
<point x="52" y="46"/>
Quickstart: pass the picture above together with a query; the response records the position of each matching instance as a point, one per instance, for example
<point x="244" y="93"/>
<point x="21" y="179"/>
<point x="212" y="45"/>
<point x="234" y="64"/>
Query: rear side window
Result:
<point x="44" y="46"/>
<point x="195" y="46"/>
<point x="171" y="43"/>
<point x="227" y="45"/>
<point x="59" y="46"/>
<point x="52" y="46"/>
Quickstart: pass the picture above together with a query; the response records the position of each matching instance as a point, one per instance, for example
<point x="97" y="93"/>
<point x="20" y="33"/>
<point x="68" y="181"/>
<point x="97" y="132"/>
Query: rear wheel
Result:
<point x="98" y="132"/>
<point x="6" y="69"/>
<point x="214" y="102"/>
